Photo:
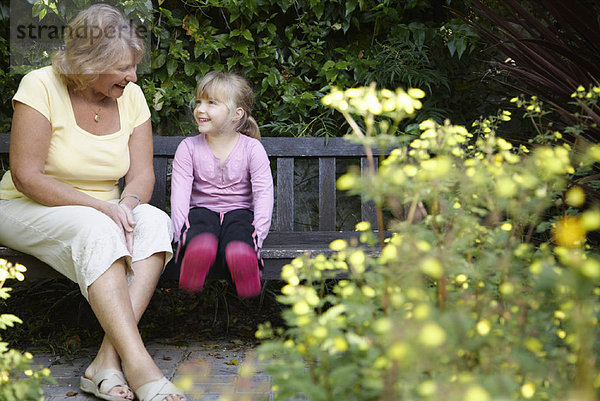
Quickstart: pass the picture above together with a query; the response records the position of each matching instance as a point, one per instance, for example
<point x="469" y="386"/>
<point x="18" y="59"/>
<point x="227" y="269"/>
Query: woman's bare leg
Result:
<point x="141" y="289"/>
<point x="119" y="307"/>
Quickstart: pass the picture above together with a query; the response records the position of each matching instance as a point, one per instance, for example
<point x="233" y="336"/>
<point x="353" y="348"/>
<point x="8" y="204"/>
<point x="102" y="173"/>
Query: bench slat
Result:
<point x="159" y="195"/>
<point x="368" y="211"/>
<point x="165" y="146"/>
<point x="285" y="194"/>
<point x="327" y="204"/>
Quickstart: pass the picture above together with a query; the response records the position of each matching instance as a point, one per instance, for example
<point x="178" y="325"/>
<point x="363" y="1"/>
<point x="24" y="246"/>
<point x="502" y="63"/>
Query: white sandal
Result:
<point x="102" y="382"/>
<point x="158" y="390"/>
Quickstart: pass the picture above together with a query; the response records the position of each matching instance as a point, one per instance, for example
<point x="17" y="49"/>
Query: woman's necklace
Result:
<point x="96" y="112"/>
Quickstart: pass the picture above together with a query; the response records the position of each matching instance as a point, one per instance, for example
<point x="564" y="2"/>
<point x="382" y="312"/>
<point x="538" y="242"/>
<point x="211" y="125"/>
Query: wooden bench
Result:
<point x="285" y="241"/>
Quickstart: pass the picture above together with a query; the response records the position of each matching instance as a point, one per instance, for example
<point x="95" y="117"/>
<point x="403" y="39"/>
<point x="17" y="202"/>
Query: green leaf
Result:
<point x="5" y="292"/>
<point x="235" y="14"/>
<point x="350" y="6"/>
<point x="8" y="320"/>
<point x="241" y="47"/>
<point x="204" y="68"/>
<point x="231" y="62"/>
<point x="189" y="69"/>
<point x="272" y="79"/>
<point x="328" y="64"/>
<point x="248" y="35"/>
<point x="171" y="66"/>
<point x="159" y="59"/>
<point x="461" y="46"/>
<point x="452" y="47"/>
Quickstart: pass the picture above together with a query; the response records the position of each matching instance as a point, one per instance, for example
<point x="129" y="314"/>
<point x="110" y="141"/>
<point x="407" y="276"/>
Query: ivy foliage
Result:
<point x="293" y="52"/>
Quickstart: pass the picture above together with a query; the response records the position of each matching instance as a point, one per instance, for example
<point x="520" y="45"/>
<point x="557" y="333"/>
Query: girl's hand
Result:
<point x="122" y="215"/>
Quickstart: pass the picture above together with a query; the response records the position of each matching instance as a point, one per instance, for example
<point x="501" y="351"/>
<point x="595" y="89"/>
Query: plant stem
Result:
<point x="370" y="171"/>
<point x="412" y="210"/>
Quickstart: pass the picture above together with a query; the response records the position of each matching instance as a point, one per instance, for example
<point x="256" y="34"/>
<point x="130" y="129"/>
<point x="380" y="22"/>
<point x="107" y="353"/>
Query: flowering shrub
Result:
<point x="472" y="302"/>
<point x="19" y="380"/>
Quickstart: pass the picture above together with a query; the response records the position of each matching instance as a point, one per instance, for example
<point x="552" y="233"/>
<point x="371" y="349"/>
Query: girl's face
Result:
<point x="214" y="117"/>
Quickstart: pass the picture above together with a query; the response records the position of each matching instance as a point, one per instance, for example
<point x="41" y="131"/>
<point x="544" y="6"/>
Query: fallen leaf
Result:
<point x="233" y="362"/>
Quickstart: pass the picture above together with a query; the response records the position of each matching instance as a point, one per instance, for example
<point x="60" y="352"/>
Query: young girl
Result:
<point x="222" y="188"/>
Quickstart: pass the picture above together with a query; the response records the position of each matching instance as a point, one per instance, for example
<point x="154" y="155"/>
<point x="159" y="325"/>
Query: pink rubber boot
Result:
<point x="199" y="256"/>
<point x="243" y="266"/>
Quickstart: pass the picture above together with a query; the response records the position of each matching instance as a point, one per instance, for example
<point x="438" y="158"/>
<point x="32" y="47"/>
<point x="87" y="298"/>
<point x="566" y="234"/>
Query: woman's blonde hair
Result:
<point x="234" y="91"/>
<point x="97" y="39"/>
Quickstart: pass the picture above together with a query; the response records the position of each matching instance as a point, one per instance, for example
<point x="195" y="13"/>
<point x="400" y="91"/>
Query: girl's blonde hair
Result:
<point x="98" y="38"/>
<point x="234" y="91"/>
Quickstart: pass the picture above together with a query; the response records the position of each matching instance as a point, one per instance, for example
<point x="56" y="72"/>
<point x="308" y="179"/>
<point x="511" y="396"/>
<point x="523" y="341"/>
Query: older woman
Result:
<point x="78" y="127"/>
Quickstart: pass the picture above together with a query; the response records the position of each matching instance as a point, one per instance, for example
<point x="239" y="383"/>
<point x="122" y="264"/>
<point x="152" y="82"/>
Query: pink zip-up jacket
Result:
<point x="244" y="182"/>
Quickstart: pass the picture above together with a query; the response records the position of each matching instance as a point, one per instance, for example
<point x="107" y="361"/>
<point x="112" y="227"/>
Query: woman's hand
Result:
<point x="122" y="215"/>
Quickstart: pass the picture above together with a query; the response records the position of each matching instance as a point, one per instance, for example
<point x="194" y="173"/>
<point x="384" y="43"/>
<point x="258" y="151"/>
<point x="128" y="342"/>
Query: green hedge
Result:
<point x="293" y="52"/>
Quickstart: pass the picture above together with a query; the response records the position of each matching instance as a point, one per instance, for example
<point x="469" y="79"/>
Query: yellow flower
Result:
<point x="357" y="260"/>
<point x="506" y="188"/>
<point x="388" y="254"/>
<point x="338" y="245"/>
<point x="372" y="104"/>
<point x="363" y="226"/>
<point x="423" y="246"/>
<point x="483" y="327"/>
<point x="320" y="332"/>
<point x="427" y="388"/>
<point x="528" y="390"/>
<point x="398" y="351"/>
<point x="437" y="167"/>
<point x="340" y="344"/>
<point x="432" y="335"/>
<point x="353" y="92"/>
<point x="477" y="393"/>
<point x="301" y="308"/>
<point x="368" y="291"/>
<point x="346" y="181"/>
<point x="569" y="232"/>
<point x="416" y="93"/>
<point x="575" y="197"/>
<point x="432" y="267"/>
<point x="591" y="220"/>
<point x="591" y="268"/>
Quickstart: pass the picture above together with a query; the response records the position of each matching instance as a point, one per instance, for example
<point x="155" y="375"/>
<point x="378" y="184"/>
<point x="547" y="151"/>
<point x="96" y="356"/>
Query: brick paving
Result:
<point x="212" y="367"/>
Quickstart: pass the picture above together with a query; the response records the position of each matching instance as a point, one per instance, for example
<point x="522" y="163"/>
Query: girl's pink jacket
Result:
<point x="243" y="182"/>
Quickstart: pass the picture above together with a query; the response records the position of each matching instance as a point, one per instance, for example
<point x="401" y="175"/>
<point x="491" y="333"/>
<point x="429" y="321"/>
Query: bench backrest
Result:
<point x="283" y="152"/>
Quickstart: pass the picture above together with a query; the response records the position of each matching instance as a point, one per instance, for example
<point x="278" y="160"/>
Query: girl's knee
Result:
<point x="239" y="249"/>
<point x="205" y="244"/>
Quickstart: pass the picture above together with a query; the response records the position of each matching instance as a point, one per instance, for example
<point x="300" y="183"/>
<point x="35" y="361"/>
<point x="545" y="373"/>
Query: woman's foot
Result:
<point x="107" y="384"/>
<point x="160" y="390"/>
<point x="105" y="374"/>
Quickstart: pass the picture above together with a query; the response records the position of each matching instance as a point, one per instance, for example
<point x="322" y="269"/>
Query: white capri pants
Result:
<point x="81" y="242"/>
